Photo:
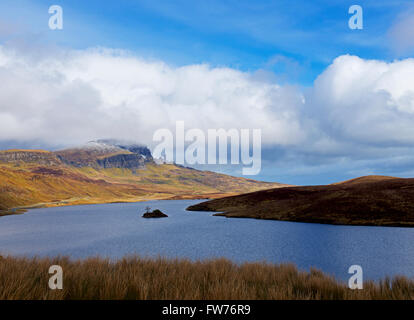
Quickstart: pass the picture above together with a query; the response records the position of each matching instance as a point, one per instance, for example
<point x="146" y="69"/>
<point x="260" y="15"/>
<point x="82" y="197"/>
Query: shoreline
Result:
<point x="85" y="201"/>
<point x="219" y="213"/>
<point x="230" y="215"/>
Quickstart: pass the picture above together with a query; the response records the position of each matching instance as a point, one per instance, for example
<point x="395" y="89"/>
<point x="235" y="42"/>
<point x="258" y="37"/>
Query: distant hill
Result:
<point x="364" y="179"/>
<point x="106" y="171"/>
<point x="371" y="200"/>
<point x="107" y="154"/>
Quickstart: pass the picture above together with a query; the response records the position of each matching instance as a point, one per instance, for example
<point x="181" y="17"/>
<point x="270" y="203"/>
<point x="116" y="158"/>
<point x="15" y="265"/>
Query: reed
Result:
<point x="138" y="278"/>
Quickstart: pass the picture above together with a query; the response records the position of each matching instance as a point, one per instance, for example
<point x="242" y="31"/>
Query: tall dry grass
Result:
<point x="136" y="278"/>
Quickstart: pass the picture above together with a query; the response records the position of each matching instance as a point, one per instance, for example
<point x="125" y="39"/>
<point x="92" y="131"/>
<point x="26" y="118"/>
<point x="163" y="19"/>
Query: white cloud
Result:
<point x="357" y="108"/>
<point x="366" y="101"/>
<point x="83" y="95"/>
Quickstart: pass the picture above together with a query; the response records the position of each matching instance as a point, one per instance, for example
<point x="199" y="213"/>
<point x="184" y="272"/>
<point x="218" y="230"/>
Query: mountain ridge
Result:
<point x="102" y="172"/>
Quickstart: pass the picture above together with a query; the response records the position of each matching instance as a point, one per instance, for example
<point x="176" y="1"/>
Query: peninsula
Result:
<point x="370" y="200"/>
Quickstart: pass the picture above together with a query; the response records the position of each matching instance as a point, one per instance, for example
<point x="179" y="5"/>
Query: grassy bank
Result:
<point x="135" y="278"/>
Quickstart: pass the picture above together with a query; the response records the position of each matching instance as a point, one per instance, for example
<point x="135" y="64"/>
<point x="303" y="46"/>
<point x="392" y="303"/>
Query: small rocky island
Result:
<point x="154" y="214"/>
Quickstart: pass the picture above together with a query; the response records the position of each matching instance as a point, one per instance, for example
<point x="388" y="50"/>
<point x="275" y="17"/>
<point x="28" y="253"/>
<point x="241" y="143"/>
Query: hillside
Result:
<point x="102" y="172"/>
<point x="365" y="179"/>
<point x="376" y="201"/>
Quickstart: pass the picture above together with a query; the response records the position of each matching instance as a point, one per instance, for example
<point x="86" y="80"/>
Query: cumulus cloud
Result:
<point x="105" y="93"/>
<point x="356" y="109"/>
<point x="366" y="102"/>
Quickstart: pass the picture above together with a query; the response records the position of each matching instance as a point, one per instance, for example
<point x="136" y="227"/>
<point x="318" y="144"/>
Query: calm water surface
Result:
<point x="115" y="230"/>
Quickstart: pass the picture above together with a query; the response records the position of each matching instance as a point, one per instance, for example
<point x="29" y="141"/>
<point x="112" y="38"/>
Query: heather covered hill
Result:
<point x="103" y="172"/>
<point x="381" y="201"/>
<point x="365" y="179"/>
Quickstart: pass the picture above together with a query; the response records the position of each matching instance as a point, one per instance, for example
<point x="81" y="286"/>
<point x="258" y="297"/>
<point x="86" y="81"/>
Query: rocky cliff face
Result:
<point x="128" y="161"/>
<point x="95" y="154"/>
<point x="29" y="156"/>
<point x="131" y="147"/>
<point x="141" y="150"/>
<point x="107" y="154"/>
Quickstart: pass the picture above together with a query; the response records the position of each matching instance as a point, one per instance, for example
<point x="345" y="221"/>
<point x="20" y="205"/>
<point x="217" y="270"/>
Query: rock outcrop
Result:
<point x="29" y="156"/>
<point x="107" y="154"/>
<point x="155" y="214"/>
<point x="129" y="161"/>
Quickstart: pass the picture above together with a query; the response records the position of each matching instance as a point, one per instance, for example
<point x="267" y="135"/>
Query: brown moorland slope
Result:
<point x="36" y="178"/>
<point x="372" y="201"/>
<point x="364" y="179"/>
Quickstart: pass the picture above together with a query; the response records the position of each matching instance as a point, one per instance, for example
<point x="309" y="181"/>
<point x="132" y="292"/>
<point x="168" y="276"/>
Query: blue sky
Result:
<point x="279" y="51"/>
<point x="294" y="39"/>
